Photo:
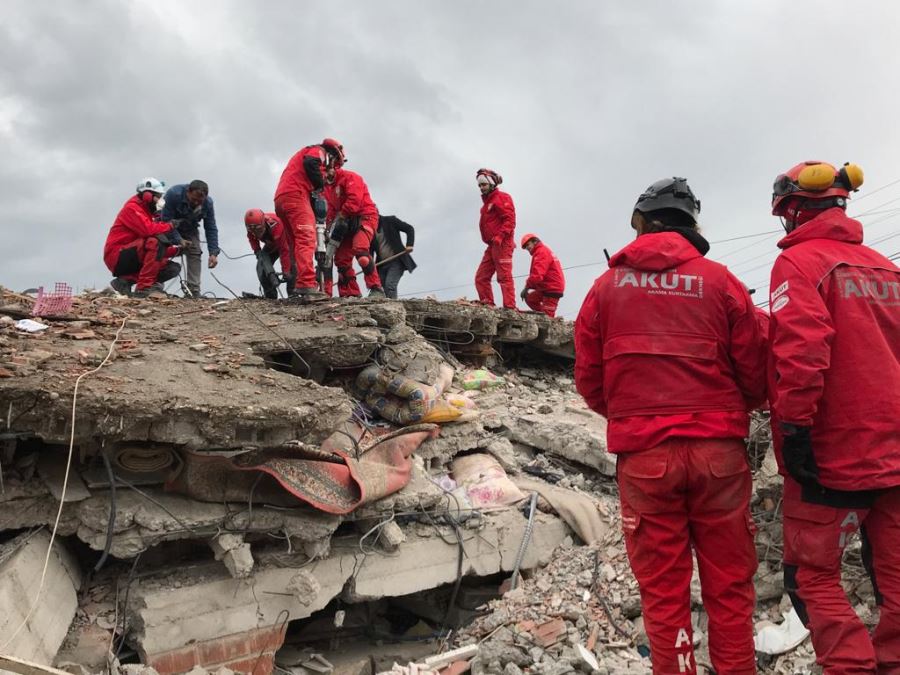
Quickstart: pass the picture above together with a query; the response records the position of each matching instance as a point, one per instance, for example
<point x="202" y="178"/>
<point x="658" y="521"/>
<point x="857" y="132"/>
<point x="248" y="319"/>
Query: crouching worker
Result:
<point x="546" y="283"/>
<point x="392" y="256"/>
<point x="139" y="249"/>
<point x="270" y="241"/>
<point x="668" y="347"/>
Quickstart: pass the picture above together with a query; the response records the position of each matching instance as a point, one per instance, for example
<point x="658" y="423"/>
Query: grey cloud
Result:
<point x="580" y="105"/>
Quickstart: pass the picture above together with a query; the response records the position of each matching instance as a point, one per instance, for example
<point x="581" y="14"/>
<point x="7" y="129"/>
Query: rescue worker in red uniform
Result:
<point x="354" y="220"/>
<point x="834" y="377"/>
<point x="498" y="226"/>
<point x="270" y="241"/>
<point x="545" y="283"/>
<point x="303" y="175"/>
<point x="668" y="348"/>
<point x="139" y="249"/>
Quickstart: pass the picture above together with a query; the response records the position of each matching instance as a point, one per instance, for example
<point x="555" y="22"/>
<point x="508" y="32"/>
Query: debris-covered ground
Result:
<point x="333" y="487"/>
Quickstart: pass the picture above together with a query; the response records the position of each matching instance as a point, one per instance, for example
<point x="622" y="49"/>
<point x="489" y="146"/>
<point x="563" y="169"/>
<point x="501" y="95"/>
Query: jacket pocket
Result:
<point x="664" y="344"/>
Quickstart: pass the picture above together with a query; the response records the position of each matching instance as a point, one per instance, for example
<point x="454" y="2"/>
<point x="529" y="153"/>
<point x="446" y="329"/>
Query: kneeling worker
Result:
<point x="546" y="282"/>
<point x="270" y="241"/>
<point x="140" y="249"/>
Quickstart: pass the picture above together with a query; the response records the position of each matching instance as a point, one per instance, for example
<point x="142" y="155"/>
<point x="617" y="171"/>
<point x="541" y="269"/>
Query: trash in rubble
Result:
<point x="480" y="379"/>
<point x="441" y="412"/>
<point x="781" y="638"/>
<point x="31" y="326"/>
<point x="485" y="481"/>
<point x="400" y="399"/>
<point x="54" y="303"/>
<point x="460" y="401"/>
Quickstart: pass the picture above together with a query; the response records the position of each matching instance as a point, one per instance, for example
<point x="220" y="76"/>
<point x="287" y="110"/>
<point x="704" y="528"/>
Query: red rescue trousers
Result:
<point x="684" y="494"/>
<point x="815" y="536"/>
<point x="357" y="247"/>
<point x="539" y="302"/>
<point x="297" y="215"/>
<point x="497" y="258"/>
<point x="143" y="261"/>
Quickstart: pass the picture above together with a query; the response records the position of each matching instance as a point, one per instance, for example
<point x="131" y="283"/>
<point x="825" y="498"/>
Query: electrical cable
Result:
<point x="111" y="522"/>
<point x="265" y="325"/>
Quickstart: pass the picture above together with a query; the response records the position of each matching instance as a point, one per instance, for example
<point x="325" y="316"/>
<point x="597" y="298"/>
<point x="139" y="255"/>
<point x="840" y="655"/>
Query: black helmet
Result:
<point x="669" y="193"/>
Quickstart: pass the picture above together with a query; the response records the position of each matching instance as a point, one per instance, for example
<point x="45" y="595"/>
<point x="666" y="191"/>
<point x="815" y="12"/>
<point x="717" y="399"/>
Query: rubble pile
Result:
<point x="241" y="473"/>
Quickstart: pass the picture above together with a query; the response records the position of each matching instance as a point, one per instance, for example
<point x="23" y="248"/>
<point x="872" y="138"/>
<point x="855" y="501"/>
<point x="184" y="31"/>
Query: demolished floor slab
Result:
<point x="176" y="608"/>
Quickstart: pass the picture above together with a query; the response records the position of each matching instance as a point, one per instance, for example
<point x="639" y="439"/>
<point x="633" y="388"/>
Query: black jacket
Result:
<point x="391" y="227"/>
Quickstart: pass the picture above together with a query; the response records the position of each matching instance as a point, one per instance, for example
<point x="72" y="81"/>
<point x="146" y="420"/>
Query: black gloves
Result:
<point x="798" y="455"/>
<point x="523" y="294"/>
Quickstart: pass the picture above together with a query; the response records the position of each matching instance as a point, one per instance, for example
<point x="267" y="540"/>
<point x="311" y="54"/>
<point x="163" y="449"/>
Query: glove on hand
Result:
<point x="798" y="455"/>
<point x="523" y="294"/>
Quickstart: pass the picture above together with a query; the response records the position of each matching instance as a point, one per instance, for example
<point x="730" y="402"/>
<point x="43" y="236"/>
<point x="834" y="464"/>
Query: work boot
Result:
<point x="310" y="293"/>
<point x="153" y="291"/>
<point x="376" y="292"/>
<point x="120" y="286"/>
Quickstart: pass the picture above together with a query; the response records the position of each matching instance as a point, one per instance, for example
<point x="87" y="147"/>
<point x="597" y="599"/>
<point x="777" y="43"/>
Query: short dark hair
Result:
<point x="199" y="185"/>
<point x="663" y="219"/>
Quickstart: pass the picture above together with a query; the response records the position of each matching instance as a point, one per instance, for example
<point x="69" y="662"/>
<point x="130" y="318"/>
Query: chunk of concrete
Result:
<point x="22" y="563"/>
<point x="210" y="604"/>
<point x="577" y="437"/>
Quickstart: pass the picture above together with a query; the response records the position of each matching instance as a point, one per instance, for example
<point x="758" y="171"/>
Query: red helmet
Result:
<point x="335" y="151"/>
<point x="493" y="178"/>
<point x="528" y="237"/>
<point x="254" y="217"/>
<point x="815" y="180"/>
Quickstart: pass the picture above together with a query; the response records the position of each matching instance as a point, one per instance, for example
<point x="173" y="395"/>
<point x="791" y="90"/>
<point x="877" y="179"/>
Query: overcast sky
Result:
<point x="579" y="105"/>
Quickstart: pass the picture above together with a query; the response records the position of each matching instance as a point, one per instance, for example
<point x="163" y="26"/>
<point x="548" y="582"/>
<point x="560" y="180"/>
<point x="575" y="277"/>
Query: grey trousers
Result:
<point x="193" y="258"/>
<point x="390" y="274"/>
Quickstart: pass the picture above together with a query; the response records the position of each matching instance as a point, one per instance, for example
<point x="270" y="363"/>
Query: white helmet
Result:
<point x="152" y="185"/>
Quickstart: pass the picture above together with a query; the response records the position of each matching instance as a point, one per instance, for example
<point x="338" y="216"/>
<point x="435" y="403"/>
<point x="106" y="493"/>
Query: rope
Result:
<point x="62" y="498"/>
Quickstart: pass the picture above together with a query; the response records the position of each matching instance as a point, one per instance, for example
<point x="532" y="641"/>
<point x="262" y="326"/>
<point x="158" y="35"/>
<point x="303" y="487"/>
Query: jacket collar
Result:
<point x="830" y="224"/>
<point x="659" y="251"/>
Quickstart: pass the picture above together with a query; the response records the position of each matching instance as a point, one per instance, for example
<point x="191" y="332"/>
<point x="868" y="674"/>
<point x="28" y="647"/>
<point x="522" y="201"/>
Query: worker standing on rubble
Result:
<point x="303" y="175"/>
<point x="185" y="206"/>
<point x="668" y="348"/>
<point x="140" y="249"/>
<point x="834" y="377"/>
<point x="392" y="256"/>
<point x="498" y="226"/>
<point x="270" y="242"/>
<point x="353" y="219"/>
<point x="545" y="284"/>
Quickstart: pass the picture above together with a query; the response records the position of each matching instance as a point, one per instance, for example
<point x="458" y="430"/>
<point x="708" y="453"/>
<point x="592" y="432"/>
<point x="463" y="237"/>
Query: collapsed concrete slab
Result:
<point x="483" y="326"/>
<point x="576" y="435"/>
<point x="191" y="609"/>
<point x="36" y="635"/>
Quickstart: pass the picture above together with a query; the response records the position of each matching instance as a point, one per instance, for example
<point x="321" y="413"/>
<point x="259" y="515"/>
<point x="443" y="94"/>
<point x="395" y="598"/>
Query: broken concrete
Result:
<point x="36" y="635"/>
<point x="210" y="603"/>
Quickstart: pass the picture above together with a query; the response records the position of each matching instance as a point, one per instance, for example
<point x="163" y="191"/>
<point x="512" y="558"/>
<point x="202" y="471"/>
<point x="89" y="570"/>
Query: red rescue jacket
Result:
<point x="133" y="222"/>
<point x="668" y="344"/>
<point x="349" y="196"/>
<point x="305" y="172"/>
<point x="835" y="358"/>
<point x="546" y="273"/>
<point x="278" y="238"/>
<point x="498" y="216"/>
